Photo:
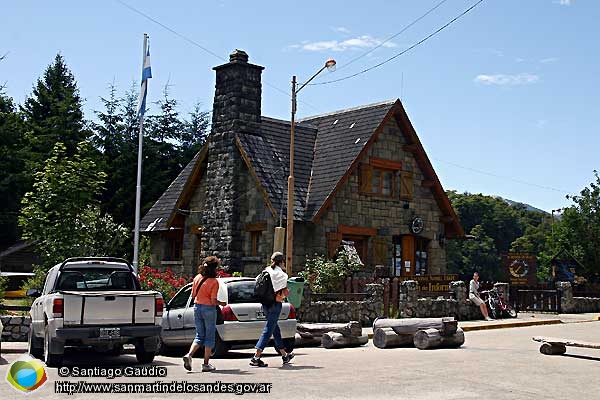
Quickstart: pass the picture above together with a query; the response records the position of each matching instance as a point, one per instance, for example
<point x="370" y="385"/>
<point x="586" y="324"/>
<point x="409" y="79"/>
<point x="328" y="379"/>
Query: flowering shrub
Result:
<point x="162" y="281"/>
<point x="223" y="274"/>
<point x="326" y="276"/>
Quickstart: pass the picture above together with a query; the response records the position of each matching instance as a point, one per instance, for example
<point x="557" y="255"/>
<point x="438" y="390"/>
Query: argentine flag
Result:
<point x="146" y="73"/>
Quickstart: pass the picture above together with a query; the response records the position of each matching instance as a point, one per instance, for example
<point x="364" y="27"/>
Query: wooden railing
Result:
<point x="537" y="300"/>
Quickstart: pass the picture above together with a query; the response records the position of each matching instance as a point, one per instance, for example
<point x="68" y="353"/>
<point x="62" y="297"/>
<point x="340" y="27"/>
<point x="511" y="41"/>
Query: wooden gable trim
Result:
<point x="385" y="164"/>
<point x="427" y="183"/>
<point x="190" y="186"/>
<point x="388" y="116"/>
<point x="453" y="229"/>
<point x="356" y="230"/>
<point x="262" y="190"/>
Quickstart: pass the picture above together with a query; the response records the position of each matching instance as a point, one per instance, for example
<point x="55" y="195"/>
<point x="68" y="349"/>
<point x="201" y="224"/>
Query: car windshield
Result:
<point x="95" y="279"/>
<point x="240" y="292"/>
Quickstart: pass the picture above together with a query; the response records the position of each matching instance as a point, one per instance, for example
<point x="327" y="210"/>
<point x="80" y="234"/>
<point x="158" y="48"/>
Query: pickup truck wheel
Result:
<point x="143" y="356"/>
<point x="35" y="346"/>
<point x="52" y="360"/>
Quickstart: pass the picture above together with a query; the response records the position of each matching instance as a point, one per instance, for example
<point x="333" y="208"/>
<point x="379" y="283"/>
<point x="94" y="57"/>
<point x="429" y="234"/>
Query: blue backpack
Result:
<point x="263" y="289"/>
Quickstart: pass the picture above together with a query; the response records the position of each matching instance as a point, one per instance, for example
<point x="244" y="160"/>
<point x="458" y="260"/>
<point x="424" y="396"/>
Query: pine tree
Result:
<point x="14" y="182"/>
<point x="53" y="113"/>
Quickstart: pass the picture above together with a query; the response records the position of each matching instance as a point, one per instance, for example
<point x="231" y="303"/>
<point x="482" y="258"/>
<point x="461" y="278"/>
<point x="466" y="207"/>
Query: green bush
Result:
<point x="3" y="284"/>
<point x="327" y="276"/>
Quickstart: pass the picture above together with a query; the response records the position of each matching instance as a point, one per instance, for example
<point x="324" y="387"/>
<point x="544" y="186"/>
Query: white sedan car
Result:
<point x="239" y="323"/>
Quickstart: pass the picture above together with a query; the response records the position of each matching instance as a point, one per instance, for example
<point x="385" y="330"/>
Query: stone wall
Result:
<point x="410" y="305"/>
<point x="575" y="305"/>
<point x="388" y="215"/>
<point x="16" y="329"/>
<point x="343" y="311"/>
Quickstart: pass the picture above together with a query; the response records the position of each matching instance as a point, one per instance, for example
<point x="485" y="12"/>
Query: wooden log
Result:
<point x="384" y="338"/>
<point x="552" y="349"/>
<point x="431" y="338"/>
<point x="409" y="326"/>
<point x="352" y="328"/>
<point x="307" y="340"/>
<point x="331" y="340"/>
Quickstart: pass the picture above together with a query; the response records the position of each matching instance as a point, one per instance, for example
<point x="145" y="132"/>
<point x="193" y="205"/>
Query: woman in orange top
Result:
<point x="204" y="292"/>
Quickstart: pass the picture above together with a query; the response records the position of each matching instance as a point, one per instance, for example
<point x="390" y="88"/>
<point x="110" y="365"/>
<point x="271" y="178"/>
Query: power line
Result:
<point x="394" y="35"/>
<point x="193" y="42"/>
<point x="402" y="52"/>
<point x="502" y="177"/>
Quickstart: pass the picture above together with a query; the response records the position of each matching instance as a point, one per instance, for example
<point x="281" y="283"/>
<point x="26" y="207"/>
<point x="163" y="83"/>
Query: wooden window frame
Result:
<point x="255" y="229"/>
<point x="383" y="168"/>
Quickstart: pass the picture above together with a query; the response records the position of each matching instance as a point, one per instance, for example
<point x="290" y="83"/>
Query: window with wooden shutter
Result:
<point x="334" y="239"/>
<point x="366" y="173"/>
<point x="380" y="250"/>
<point x="406" y="185"/>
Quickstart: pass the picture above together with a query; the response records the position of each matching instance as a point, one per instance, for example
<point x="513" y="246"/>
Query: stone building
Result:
<point x="361" y="174"/>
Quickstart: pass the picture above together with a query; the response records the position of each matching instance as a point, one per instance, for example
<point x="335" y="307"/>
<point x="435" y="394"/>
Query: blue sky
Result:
<point x="502" y="100"/>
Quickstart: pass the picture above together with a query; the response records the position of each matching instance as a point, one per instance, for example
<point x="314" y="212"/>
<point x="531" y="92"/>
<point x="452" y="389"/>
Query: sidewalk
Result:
<point x="523" y="319"/>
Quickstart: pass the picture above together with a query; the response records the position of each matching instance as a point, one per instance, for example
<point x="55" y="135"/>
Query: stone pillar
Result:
<point x="460" y="291"/>
<point x="503" y="290"/>
<point x="408" y="296"/>
<point x="567" y="303"/>
<point x="236" y="109"/>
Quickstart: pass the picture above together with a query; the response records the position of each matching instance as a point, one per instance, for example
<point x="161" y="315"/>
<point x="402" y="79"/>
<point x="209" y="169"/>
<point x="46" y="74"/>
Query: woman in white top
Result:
<point x="474" y="296"/>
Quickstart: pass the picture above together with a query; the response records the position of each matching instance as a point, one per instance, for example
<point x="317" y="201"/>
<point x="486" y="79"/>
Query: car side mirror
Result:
<point x="33" y="293"/>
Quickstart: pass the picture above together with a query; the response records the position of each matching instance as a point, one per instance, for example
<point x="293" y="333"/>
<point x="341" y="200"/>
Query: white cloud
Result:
<point x="357" y="43"/>
<point x="507" y="80"/>
<point x="519" y="60"/>
<point x="564" y="2"/>
<point x="549" y="60"/>
<point x="541" y="123"/>
<point x="341" y="29"/>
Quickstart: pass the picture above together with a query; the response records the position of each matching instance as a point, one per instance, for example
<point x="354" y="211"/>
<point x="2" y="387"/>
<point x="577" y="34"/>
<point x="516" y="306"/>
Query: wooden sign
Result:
<point x="432" y="283"/>
<point x="520" y="268"/>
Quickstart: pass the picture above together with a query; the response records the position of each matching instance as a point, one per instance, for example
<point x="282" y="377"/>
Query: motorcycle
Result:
<point x="497" y="306"/>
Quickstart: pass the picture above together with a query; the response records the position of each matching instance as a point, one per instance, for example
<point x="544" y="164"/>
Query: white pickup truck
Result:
<point x="94" y="302"/>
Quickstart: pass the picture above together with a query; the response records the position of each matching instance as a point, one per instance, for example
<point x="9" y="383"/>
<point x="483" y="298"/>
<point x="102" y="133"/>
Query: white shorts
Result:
<point x="476" y="300"/>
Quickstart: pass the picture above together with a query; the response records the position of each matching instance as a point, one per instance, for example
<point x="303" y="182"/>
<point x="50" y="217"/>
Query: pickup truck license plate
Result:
<point x="110" y="333"/>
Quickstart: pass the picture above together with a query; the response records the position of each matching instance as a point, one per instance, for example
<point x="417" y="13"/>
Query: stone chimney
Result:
<point x="236" y="110"/>
<point x="238" y="92"/>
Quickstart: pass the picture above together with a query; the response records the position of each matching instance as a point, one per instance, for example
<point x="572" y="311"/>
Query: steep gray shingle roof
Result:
<point x="341" y="137"/>
<point x="158" y="217"/>
<point x="269" y="155"/>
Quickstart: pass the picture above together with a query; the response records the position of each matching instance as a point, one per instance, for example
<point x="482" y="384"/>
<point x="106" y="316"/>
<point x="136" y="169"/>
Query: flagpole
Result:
<point x="138" y="187"/>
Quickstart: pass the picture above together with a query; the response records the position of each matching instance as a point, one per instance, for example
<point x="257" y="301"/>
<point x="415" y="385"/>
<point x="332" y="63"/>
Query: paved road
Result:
<point x="497" y="364"/>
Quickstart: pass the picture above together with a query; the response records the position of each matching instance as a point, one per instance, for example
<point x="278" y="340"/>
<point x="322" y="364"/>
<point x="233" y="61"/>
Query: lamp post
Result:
<point x="289" y="243"/>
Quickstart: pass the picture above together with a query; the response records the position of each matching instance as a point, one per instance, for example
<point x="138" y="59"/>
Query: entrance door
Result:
<point x="408" y="255"/>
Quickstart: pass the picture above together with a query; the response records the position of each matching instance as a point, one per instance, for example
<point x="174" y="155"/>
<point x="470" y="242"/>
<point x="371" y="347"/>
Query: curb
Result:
<point x="511" y="325"/>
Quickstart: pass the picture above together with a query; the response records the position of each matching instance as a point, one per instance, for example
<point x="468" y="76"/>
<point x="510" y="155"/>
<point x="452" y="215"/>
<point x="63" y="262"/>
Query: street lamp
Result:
<point x="330" y="65"/>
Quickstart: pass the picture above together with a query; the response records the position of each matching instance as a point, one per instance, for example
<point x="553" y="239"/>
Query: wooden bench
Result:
<point x="551" y="345"/>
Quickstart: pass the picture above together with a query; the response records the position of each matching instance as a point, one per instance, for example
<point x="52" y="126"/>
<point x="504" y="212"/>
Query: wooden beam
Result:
<point x="357" y="230"/>
<point x="385" y="163"/>
<point x="256" y="226"/>
<point x="427" y="183"/>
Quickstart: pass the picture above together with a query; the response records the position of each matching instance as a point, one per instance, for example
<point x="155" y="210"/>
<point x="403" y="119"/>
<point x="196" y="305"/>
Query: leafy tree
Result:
<point x="14" y="182"/>
<point x="62" y="213"/>
<point x="578" y="231"/>
<point x="496" y="228"/>
<point x="53" y="113"/>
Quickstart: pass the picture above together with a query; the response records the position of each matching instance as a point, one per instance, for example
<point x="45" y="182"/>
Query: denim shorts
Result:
<point x="205" y="319"/>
